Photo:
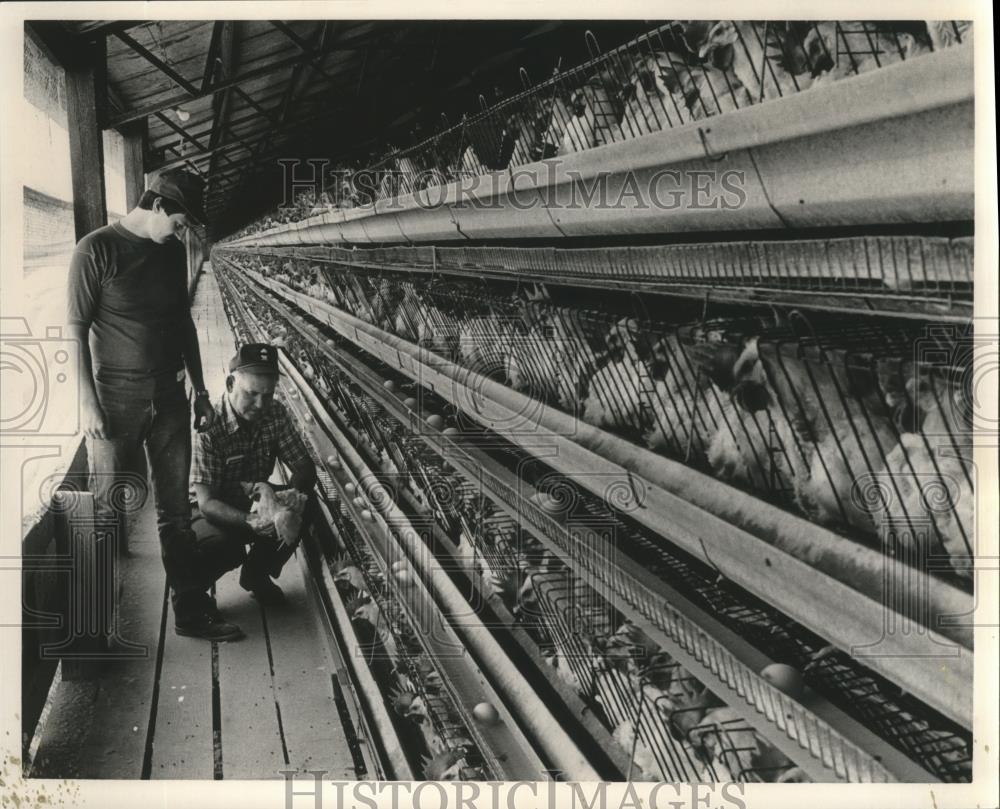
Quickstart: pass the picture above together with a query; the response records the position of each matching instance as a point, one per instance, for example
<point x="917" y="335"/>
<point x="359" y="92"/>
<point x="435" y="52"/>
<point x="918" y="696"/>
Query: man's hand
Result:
<point x="204" y="413"/>
<point x="288" y="526"/>
<point x="260" y="526"/>
<point x="94" y="423"/>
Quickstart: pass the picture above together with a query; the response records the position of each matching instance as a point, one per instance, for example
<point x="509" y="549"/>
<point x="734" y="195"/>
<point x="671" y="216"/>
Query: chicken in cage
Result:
<point x="930" y="472"/>
<point x="655" y="96"/>
<point x="753" y="402"/>
<point x="411" y="682"/>
<point x="816" y="375"/>
<point x="839" y="49"/>
<point x="769" y="59"/>
<point x="868" y="468"/>
<point x="617" y="389"/>
<point x="679" y="72"/>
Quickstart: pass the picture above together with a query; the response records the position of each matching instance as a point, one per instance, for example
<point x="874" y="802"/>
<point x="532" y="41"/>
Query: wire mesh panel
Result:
<point x="850" y="425"/>
<point x="835" y="362"/>
<point x="876" y="270"/>
<point x="428" y="719"/>
<point x="679" y="72"/>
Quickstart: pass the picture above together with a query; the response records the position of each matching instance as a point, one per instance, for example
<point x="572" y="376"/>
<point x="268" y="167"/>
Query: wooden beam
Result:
<point x="290" y="123"/>
<point x="188" y="137"/>
<point x="316" y="56"/>
<point x="135" y="135"/>
<point x="190" y="165"/>
<point x="213" y="57"/>
<point x="94" y="28"/>
<point x="173" y="101"/>
<point x="158" y="63"/>
<point x="220" y="100"/>
<point x="85" y="96"/>
<point x="256" y="105"/>
<point x="226" y="63"/>
<point x="298" y="80"/>
<point x="179" y="130"/>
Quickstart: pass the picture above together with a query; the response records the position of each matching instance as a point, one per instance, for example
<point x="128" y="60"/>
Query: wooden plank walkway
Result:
<point x="190" y="708"/>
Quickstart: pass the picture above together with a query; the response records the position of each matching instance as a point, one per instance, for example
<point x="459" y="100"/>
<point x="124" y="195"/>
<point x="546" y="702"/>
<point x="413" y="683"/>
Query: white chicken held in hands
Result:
<point x="277" y="515"/>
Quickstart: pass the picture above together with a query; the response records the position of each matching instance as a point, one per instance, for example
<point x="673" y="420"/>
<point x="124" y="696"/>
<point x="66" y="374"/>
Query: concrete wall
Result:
<point x="45" y="167"/>
<point x="48" y="229"/>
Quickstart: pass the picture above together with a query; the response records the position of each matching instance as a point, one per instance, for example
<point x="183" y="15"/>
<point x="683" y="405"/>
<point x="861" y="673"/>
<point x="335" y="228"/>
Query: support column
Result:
<point x="93" y="563"/>
<point x="85" y="103"/>
<point x="135" y="135"/>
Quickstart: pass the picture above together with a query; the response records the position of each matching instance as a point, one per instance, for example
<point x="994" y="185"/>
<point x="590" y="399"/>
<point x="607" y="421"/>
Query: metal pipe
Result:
<point x="723" y="526"/>
<point x="362" y="677"/>
<point x="520" y="697"/>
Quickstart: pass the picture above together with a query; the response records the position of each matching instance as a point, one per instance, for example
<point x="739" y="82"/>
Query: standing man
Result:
<point x="236" y="454"/>
<point x="129" y="311"/>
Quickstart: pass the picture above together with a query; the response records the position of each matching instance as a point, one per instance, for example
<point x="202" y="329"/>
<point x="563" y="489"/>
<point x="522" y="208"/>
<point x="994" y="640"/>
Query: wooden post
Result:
<point x="135" y="135"/>
<point x="85" y="105"/>
<point x="90" y="605"/>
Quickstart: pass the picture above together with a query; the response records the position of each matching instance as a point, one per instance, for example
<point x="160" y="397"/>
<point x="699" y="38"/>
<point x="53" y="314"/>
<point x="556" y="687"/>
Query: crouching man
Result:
<point x="230" y="461"/>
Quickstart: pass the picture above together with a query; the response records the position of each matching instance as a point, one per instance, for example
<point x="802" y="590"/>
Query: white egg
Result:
<point x="786" y="679"/>
<point x="486" y="713"/>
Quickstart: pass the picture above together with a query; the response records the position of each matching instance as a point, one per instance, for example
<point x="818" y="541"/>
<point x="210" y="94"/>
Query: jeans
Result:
<point x="149" y="426"/>
<point x="220" y="548"/>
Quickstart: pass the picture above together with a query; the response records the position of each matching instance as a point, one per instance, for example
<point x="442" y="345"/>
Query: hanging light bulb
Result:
<point x="182" y="114"/>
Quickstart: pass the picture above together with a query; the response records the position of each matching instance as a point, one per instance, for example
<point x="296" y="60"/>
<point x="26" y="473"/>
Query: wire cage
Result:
<point x="672" y="75"/>
<point x="432" y="726"/>
<point x="883" y="269"/>
<point x="863" y="426"/>
<point x="563" y="612"/>
<point x="676" y="73"/>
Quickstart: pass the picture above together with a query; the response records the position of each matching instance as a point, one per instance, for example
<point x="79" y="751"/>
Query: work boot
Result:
<point x="268" y="593"/>
<point x="209" y="626"/>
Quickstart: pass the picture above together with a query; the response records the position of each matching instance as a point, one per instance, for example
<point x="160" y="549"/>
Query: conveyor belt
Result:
<point x="905" y="276"/>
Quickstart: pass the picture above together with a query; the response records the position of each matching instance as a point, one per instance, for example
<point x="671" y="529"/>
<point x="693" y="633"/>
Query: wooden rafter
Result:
<point x="256" y="105"/>
<point x="221" y="100"/>
<point x="173" y="101"/>
<point x="239" y="120"/>
<point x="213" y="58"/>
<point x="290" y="124"/>
<point x="186" y="136"/>
<point x="94" y="28"/>
<point x="295" y="84"/>
<point x="315" y="56"/>
<point x="158" y="63"/>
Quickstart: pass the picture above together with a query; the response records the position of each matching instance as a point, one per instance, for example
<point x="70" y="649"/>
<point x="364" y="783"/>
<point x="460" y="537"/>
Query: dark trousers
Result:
<point x="149" y="430"/>
<point x="219" y="549"/>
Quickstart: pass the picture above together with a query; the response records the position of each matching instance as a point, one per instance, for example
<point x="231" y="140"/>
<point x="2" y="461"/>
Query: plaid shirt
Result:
<point x="226" y="453"/>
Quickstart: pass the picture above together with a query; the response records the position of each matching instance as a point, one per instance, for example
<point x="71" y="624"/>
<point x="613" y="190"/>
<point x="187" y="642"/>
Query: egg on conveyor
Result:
<point x="486" y="714"/>
<point x="785" y="678"/>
